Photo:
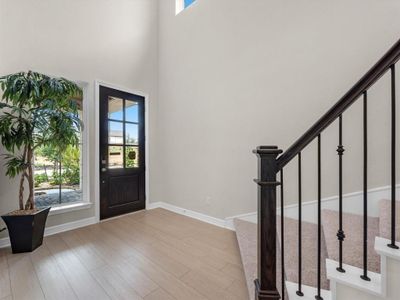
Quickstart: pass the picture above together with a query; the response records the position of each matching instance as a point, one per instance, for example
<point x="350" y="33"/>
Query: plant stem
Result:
<point x="21" y="192"/>
<point x="30" y="203"/>
<point x="21" y="184"/>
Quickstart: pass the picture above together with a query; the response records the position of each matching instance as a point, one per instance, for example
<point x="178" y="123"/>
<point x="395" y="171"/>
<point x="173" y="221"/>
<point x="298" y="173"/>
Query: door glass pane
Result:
<point x="131" y="111"/>
<point x="132" y="157"/>
<point x="115" y="108"/>
<point x="115" y="157"/>
<point x="115" y="132"/>
<point x="131" y="134"/>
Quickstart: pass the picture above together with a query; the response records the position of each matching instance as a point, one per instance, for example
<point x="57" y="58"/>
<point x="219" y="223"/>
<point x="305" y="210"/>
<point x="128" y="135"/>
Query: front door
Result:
<point x="122" y="153"/>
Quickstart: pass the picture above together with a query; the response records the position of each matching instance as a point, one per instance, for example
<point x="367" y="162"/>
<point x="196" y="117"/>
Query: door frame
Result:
<point x="97" y="85"/>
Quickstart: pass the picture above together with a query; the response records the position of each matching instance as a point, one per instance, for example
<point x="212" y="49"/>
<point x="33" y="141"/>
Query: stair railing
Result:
<point x="271" y="161"/>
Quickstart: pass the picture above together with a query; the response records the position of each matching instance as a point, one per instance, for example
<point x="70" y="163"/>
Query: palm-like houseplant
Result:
<point x="36" y="110"/>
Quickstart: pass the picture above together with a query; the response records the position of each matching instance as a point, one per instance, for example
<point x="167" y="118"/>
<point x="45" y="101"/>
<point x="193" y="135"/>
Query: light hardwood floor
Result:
<point x="150" y="255"/>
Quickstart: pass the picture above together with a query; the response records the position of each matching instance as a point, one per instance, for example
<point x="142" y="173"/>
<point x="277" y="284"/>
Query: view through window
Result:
<point x="58" y="178"/>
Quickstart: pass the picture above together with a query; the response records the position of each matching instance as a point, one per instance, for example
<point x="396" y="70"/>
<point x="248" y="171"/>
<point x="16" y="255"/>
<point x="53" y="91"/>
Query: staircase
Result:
<point x="352" y="224"/>
<point x="341" y="256"/>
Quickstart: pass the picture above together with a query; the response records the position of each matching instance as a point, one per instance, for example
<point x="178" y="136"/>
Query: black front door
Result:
<point x="122" y="153"/>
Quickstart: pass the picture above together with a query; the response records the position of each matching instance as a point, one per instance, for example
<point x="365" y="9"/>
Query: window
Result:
<point x="59" y="178"/>
<point x="187" y="3"/>
<point x="182" y="4"/>
<point x="123" y="133"/>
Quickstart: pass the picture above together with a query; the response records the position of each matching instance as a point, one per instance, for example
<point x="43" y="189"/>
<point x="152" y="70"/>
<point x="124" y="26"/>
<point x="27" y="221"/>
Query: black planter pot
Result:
<point x="26" y="232"/>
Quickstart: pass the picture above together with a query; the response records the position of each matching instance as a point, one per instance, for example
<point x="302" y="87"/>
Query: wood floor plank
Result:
<point x="82" y="282"/>
<point x="111" y="241"/>
<point x="224" y="255"/>
<point x="24" y="282"/>
<point x="167" y="238"/>
<point x="165" y="280"/>
<point x="191" y="262"/>
<point x="167" y="226"/>
<point x="140" y="282"/>
<point x="100" y="246"/>
<point x="51" y="278"/>
<point x="108" y="251"/>
<point x="159" y="294"/>
<point x="207" y="287"/>
<point x="83" y="249"/>
<point x="214" y="234"/>
<point x="168" y="263"/>
<point x="114" y="285"/>
<point x="5" y="283"/>
<point x="234" y="271"/>
<point x="125" y="227"/>
<point x="238" y="288"/>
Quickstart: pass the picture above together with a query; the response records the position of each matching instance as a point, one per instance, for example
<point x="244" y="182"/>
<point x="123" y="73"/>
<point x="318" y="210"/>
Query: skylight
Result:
<point x="182" y="4"/>
<point x="188" y="2"/>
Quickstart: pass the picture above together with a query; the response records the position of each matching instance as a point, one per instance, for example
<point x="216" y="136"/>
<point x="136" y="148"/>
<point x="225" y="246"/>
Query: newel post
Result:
<point x="265" y="284"/>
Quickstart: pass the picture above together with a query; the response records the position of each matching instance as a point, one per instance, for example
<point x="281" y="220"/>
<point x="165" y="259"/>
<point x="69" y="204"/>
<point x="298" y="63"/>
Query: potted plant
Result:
<point x="36" y="110"/>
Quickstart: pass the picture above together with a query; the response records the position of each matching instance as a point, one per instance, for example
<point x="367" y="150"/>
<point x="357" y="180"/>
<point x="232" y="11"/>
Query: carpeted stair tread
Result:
<point x="247" y="237"/>
<point x="353" y="243"/>
<point x="385" y="219"/>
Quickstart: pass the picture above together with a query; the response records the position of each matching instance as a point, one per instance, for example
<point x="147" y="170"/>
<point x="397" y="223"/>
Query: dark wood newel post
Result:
<point x="265" y="284"/>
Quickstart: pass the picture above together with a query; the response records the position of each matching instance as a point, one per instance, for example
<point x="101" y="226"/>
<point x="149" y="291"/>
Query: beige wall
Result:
<point x="114" y="41"/>
<point x="235" y="74"/>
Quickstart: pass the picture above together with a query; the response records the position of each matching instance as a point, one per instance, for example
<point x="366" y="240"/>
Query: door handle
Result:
<point x="103" y="169"/>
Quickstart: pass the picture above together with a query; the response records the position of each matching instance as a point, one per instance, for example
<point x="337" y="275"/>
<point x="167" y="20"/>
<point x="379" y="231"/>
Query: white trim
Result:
<point x="86" y="148"/>
<point x="97" y="85"/>
<point x="250" y="217"/>
<point x="383" y="250"/>
<point x="56" y="210"/>
<point x="352" y="203"/>
<point x="5" y="242"/>
<point x="179" y="6"/>
<point x="351" y="278"/>
<point x="309" y="292"/>
<point x="190" y="213"/>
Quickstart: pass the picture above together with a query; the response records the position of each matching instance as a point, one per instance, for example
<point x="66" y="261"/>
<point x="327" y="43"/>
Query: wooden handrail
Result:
<point x="373" y="75"/>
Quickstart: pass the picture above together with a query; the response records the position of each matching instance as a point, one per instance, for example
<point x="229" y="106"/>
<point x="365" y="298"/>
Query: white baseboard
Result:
<point x="5" y="242"/>
<point x="352" y="203"/>
<point x="190" y="213"/>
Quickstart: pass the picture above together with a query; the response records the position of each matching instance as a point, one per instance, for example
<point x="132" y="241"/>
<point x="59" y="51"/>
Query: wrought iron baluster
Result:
<point x="282" y="239"/>
<point x="365" y="186"/>
<point x="299" y="291"/>
<point x="340" y="235"/>
<point x="393" y="154"/>
<point x="318" y="296"/>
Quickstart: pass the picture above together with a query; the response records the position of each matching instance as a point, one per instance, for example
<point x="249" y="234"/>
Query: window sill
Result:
<point x="69" y="207"/>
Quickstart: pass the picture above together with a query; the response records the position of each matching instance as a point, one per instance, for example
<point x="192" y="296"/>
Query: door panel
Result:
<point x="122" y="153"/>
<point x="123" y="190"/>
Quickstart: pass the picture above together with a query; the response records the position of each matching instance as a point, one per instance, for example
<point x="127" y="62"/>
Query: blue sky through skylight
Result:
<point x="188" y="2"/>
